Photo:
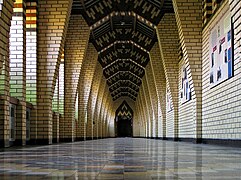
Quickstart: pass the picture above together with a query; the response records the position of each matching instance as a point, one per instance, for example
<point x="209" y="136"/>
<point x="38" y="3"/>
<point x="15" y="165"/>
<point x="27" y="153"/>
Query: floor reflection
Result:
<point x="122" y="158"/>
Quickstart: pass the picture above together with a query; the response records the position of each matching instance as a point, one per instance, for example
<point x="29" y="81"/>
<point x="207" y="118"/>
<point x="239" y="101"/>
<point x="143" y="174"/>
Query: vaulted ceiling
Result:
<point x="123" y="32"/>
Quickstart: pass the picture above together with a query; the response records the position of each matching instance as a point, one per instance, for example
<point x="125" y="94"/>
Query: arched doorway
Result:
<point x="124" y="120"/>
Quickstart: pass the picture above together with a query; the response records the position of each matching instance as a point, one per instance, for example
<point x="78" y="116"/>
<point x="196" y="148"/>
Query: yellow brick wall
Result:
<point x="18" y="68"/>
<point x="6" y="10"/>
<point x="221" y="104"/>
<point x="145" y="112"/>
<point x="146" y="95"/>
<point x="97" y="116"/>
<point x="189" y="24"/>
<point x="75" y="50"/>
<point x="85" y="81"/>
<point x="52" y="28"/>
<point x="167" y="33"/>
<point x="138" y="121"/>
<point x="153" y="98"/>
<point x="93" y="96"/>
<point x="186" y="110"/>
<point x="160" y="82"/>
<point x="31" y="52"/>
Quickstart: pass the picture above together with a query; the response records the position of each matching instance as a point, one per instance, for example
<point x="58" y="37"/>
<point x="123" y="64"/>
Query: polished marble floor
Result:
<point x="122" y="158"/>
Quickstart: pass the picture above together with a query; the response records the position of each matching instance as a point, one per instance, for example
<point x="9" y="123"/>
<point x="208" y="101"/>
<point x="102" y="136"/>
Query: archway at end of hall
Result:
<point x="124" y="121"/>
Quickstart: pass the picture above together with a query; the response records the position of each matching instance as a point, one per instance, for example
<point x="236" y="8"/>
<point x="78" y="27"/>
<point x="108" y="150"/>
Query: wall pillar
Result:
<point x="53" y="19"/>
<point x="167" y="34"/>
<point x="56" y="118"/>
<point x="18" y="68"/>
<point x="6" y="10"/>
<point x="190" y="34"/>
<point x="75" y="50"/>
<point x="86" y="79"/>
<point x="160" y="82"/>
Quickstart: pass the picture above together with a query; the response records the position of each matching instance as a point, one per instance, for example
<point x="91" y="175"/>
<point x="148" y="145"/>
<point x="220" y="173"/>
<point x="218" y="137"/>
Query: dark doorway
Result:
<point x="124" y="128"/>
<point x="124" y="117"/>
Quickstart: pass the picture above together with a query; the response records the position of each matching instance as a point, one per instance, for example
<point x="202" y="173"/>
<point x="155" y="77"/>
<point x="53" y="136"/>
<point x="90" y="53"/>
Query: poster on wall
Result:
<point x="185" y="86"/>
<point x="221" y="51"/>
<point x="169" y="100"/>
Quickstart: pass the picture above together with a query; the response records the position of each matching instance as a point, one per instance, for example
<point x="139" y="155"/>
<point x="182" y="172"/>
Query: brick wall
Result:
<point x="55" y="101"/>
<point x="31" y="52"/>
<point x="6" y="10"/>
<point x="145" y="113"/>
<point x="153" y="98"/>
<point x="186" y="110"/>
<point x="53" y="18"/>
<point x="221" y="104"/>
<point x="93" y="97"/>
<point x="186" y="124"/>
<point x="149" y="105"/>
<point x="103" y="111"/>
<point x="189" y="24"/>
<point x="18" y="67"/>
<point x="160" y="82"/>
<point x="168" y="42"/>
<point x="75" y="49"/>
<point x="85" y="81"/>
<point x="97" y="114"/>
<point x="61" y="88"/>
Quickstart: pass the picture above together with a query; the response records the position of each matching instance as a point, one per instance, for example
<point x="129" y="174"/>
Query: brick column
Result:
<point x="6" y="10"/>
<point x="143" y="114"/>
<point x="55" y="102"/>
<point x="53" y="18"/>
<point x="106" y="114"/>
<point x="86" y="78"/>
<point x="56" y="127"/>
<point x="92" y="103"/>
<point x="190" y="33"/>
<point x="144" y="110"/>
<point x="153" y="97"/>
<point x="149" y="109"/>
<point x="31" y="52"/>
<point x="160" y="82"/>
<point x="18" y="68"/>
<point x="138" y="117"/>
<point x="33" y="125"/>
<point x="61" y="88"/>
<point x="31" y="65"/>
<point x="110" y="116"/>
<point x="100" y="95"/>
<point x="75" y="49"/>
<point x="102" y="111"/>
<point x="167" y="34"/>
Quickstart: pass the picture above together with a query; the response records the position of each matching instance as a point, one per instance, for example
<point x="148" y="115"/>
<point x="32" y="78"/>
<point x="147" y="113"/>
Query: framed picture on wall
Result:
<point x="221" y="50"/>
<point x="185" y="86"/>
